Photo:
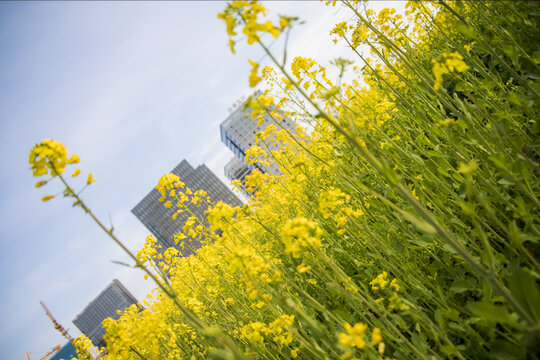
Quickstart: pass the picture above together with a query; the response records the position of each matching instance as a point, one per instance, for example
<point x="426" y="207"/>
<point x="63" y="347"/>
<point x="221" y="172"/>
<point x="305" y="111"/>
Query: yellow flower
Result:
<point x="300" y="233"/>
<point x="48" y="155"/>
<point x="74" y="159"/>
<point x="354" y="336"/>
<point x="76" y="172"/>
<point x="394" y="284"/>
<point x="40" y="183"/>
<point x="302" y="268"/>
<point x="252" y="332"/>
<point x="284" y="21"/>
<point x="340" y="29"/>
<point x="359" y="35"/>
<point x="253" y="78"/>
<point x="168" y="182"/>
<point x="47" y="198"/>
<point x="90" y="179"/>
<point x="376" y="337"/>
<point x="447" y="63"/>
<point x="380" y="282"/>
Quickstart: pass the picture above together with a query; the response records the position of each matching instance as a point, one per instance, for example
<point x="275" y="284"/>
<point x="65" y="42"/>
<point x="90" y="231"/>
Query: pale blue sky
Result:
<point x="132" y="88"/>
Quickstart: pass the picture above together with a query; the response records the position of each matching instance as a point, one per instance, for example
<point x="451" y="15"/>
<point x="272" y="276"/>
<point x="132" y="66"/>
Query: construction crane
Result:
<point x="63" y="331"/>
<point x="51" y="352"/>
<point x="57" y="326"/>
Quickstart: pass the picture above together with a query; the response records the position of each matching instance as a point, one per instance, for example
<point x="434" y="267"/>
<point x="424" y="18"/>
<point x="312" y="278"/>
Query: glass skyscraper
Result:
<point x="238" y="134"/>
<point x="158" y="219"/>
<point x="113" y="298"/>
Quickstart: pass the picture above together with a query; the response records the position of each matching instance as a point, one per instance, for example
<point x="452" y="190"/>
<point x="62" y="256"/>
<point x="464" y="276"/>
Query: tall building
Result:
<point x="158" y="219"/>
<point x="67" y="352"/>
<point x="238" y="134"/>
<point x="237" y="169"/>
<point x="113" y="298"/>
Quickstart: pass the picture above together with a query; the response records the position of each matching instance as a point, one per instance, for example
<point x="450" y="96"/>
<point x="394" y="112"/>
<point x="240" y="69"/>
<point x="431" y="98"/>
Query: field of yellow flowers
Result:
<point x="405" y="223"/>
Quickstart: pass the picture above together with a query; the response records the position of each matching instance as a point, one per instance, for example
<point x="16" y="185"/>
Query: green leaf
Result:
<point x="334" y="289"/>
<point x="536" y="57"/>
<point x="501" y="349"/>
<point x="525" y="289"/>
<point x="492" y="312"/>
<point x="467" y="31"/>
<point x="506" y="181"/>
<point x="343" y="314"/>
<point x="462" y="285"/>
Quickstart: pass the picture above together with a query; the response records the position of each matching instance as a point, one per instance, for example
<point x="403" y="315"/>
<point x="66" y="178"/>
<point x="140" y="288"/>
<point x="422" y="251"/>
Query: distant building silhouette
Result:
<point x="113" y="298"/>
<point x="158" y="219"/>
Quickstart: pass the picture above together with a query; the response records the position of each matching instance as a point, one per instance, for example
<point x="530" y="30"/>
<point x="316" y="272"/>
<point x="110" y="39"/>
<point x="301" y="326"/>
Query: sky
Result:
<point x="132" y="88"/>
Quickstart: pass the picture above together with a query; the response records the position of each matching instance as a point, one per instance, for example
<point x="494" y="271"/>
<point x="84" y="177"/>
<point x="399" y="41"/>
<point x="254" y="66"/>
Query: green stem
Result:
<point x="392" y="178"/>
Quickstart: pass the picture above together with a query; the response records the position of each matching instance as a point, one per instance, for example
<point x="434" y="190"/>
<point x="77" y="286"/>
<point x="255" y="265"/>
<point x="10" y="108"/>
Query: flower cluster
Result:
<point x="50" y="156"/>
<point x="445" y="64"/>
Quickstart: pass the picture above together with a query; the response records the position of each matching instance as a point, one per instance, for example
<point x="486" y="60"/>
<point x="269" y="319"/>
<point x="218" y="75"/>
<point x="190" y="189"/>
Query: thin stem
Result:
<point x="393" y="179"/>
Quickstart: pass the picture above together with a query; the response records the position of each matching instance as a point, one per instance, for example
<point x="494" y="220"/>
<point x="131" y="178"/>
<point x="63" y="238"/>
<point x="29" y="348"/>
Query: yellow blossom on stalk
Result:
<point x="354" y="337"/>
<point x="178" y="212"/>
<point x="254" y="331"/>
<point x="302" y="268"/>
<point x="300" y="233"/>
<point x="340" y="29"/>
<point x="47" y="198"/>
<point x="40" y="183"/>
<point x="447" y="63"/>
<point x="330" y="200"/>
<point x="360" y="34"/>
<point x="376" y="337"/>
<point x="253" y="77"/>
<point x="74" y="159"/>
<point x="468" y="47"/>
<point x="76" y="172"/>
<point x="284" y="21"/>
<point x="90" y="179"/>
<point x="253" y="153"/>
<point x="380" y="282"/>
<point x="394" y="284"/>
<point x="168" y="182"/>
<point x="49" y="155"/>
<point x="83" y="346"/>
<point x="301" y="64"/>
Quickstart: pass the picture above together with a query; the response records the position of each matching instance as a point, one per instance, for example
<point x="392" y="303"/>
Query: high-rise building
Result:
<point x="158" y="219"/>
<point x="238" y="134"/>
<point x="67" y="352"/>
<point x="106" y="305"/>
<point x="237" y="169"/>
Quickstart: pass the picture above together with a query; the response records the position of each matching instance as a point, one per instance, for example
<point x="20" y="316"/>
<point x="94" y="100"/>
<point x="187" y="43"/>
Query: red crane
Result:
<point x="57" y="326"/>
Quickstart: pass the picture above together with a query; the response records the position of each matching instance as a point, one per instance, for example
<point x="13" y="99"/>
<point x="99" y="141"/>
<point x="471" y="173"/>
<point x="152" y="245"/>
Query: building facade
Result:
<point x="238" y="134"/>
<point x="237" y="169"/>
<point x="67" y="352"/>
<point x="158" y="219"/>
<point x="113" y="298"/>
